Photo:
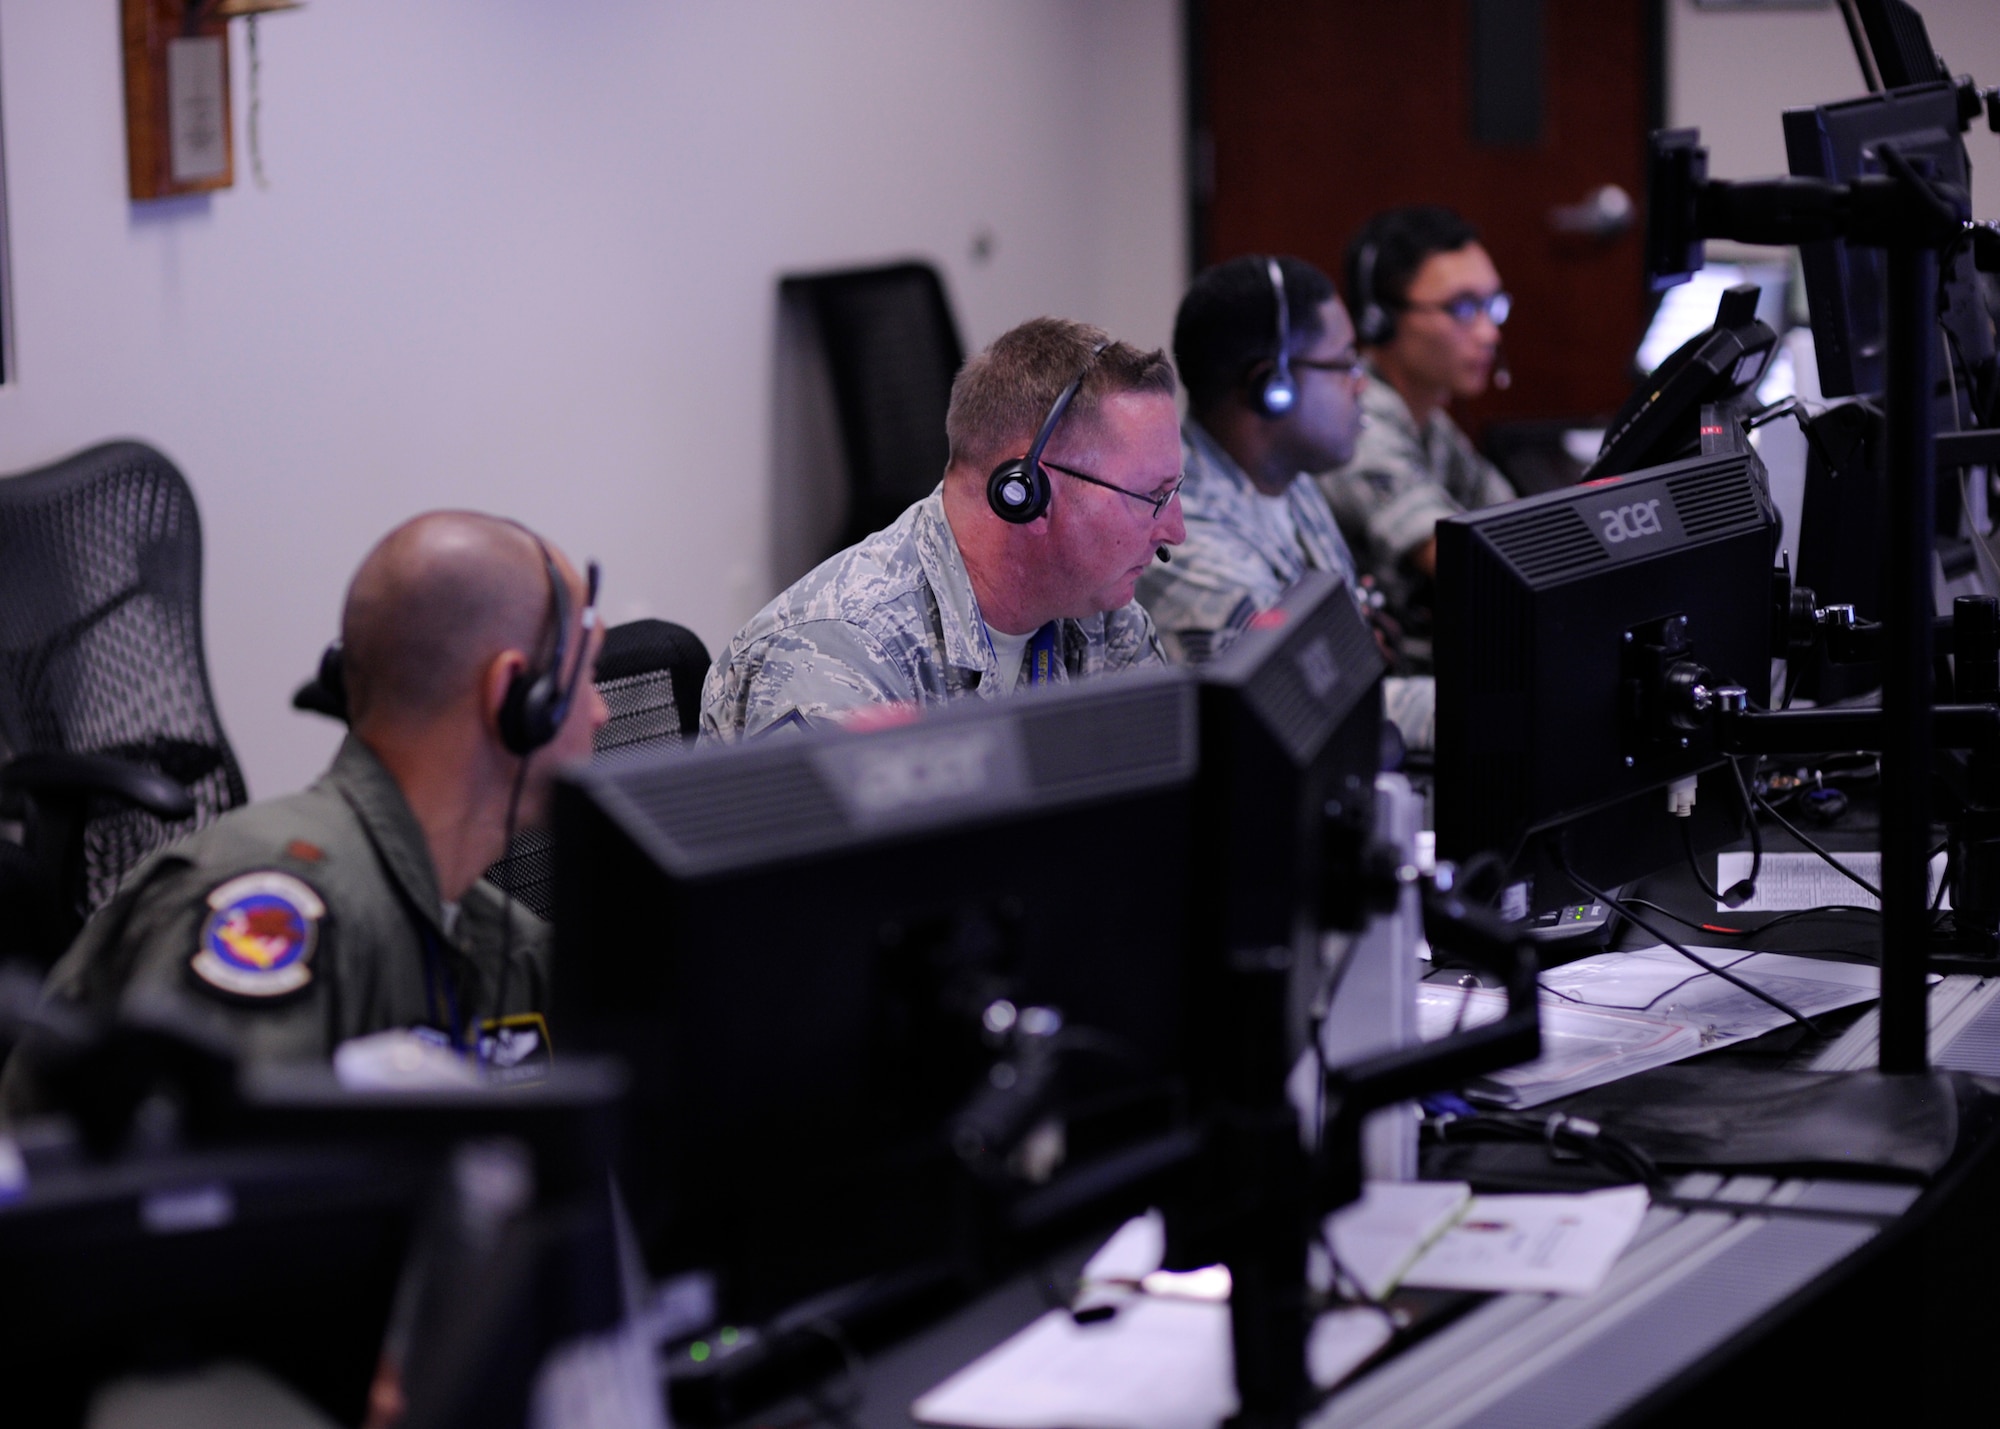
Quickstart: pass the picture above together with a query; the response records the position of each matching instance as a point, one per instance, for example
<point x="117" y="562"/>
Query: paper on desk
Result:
<point x="1792" y="881"/>
<point x="1381" y="1235"/>
<point x="1160" y="1363"/>
<point x="1157" y="1362"/>
<point x="1616" y="1014"/>
<point x="1581" y="1047"/>
<point x="1555" y="1245"/>
<point x="1659" y="982"/>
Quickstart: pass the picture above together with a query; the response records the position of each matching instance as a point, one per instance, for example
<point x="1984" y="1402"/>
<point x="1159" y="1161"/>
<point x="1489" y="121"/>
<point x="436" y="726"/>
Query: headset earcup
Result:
<point x="524" y="714"/>
<point x="1016" y="493"/>
<point x="1375" y="326"/>
<point x="1278" y="395"/>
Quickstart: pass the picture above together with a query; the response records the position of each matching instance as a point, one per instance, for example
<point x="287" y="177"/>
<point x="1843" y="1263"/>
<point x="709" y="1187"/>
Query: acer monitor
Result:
<point x="1553" y="615"/>
<point x="800" y="946"/>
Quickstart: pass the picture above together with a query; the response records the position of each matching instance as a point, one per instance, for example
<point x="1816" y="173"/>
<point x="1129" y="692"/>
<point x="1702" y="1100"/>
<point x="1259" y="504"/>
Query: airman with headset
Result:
<point x="1428" y="305"/>
<point x="292" y="926"/>
<point x="1061" y="487"/>
<point x="1267" y="354"/>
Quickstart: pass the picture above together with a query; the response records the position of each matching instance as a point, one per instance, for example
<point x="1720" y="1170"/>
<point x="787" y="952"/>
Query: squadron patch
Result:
<point x="259" y="936"/>
<point x="515" y="1048"/>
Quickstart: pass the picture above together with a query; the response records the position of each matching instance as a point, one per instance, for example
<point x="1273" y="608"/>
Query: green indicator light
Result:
<point x="729" y="1335"/>
<point x="698" y="1351"/>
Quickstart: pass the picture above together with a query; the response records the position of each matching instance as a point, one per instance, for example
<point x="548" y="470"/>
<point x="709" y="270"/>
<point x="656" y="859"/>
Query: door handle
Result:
<point x="1605" y="213"/>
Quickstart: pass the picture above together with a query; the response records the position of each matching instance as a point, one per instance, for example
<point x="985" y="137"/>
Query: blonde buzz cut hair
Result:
<point x="1002" y="395"/>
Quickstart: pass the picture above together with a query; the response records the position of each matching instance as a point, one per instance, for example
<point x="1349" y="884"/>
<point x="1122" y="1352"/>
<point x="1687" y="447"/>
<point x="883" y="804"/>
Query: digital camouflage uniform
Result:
<point x="290" y="926"/>
<point x="1402" y="482"/>
<point x="1234" y="564"/>
<point x="893" y="619"/>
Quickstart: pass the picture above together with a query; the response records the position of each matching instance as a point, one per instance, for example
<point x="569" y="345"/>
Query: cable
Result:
<point x="1748" y="885"/>
<point x="506" y="908"/>
<point x="1580" y="1137"/>
<point x="1763" y="927"/>
<point x="1562" y="865"/>
<point x="1694" y="864"/>
<point x="1743" y="890"/>
<point x="1841" y="868"/>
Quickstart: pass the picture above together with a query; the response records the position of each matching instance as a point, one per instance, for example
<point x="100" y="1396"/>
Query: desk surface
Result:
<point x="1835" y="1294"/>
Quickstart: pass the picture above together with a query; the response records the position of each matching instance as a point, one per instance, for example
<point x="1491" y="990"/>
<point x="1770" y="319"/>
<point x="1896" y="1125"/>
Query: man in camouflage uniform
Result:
<point x="951" y="599"/>
<point x="291" y="926"/>
<point x="1256" y="521"/>
<point x="1430" y="305"/>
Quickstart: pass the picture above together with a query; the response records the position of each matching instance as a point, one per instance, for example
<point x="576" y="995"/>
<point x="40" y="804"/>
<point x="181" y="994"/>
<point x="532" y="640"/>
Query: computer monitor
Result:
<point x="1845" y="283"/>
<point x="793" y="943"/>
<point x="287" y="1225"/>
<point x="1719" y="365"/>
<point x="800" y="946"/>
<point x="1291" y="723"/>
<point x="1554" y="617"/>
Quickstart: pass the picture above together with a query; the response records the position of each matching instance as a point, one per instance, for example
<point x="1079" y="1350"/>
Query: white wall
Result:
<point x="522" y="255"/>
<point x="1733" y="71"/>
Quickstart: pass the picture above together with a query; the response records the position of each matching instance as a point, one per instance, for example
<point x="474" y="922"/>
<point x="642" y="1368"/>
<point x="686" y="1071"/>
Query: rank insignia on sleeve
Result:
<point x="259" y="936"/>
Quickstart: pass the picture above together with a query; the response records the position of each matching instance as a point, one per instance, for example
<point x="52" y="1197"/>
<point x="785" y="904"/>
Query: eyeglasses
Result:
<point x="1349" y="367"/>
<point x="1466" y="308"/>
<point x="1158" y="503"/>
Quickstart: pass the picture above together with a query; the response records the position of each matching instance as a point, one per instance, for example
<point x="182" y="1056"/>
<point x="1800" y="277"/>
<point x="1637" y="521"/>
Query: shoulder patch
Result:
<point x="259" y="936"/>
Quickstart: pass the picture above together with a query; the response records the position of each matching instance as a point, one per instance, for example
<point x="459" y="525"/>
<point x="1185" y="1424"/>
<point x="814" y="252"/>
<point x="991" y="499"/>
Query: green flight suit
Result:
<point x="341" y="878"/>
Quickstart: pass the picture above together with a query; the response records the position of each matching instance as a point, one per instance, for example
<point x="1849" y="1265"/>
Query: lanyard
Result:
<point x="437" y="979"/>
<point x="1044" y="654"/>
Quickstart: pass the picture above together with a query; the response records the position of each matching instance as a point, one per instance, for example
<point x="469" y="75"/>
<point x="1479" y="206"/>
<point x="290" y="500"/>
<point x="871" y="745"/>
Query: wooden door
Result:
<point x="1310" y="115"/>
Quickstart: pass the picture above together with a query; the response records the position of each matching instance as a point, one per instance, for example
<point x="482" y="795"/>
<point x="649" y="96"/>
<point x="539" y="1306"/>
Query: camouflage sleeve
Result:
<point x="1392" y="500"/>
<point x="1130" y="642"/>
<point x="1410" y="703"/>
<point x="808" y="671"/>
<point x="1490" y="488"/>
<point x="1199" y="607"/>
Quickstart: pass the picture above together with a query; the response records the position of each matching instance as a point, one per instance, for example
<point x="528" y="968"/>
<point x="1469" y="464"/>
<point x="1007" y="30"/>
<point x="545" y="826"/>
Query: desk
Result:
<point x="1857" y="1301"/>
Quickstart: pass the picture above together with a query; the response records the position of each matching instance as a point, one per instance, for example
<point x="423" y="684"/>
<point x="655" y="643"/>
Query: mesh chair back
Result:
<point x="650" y="673"/>
<point x="100" y="639"/>
<point x="892" y="350"/>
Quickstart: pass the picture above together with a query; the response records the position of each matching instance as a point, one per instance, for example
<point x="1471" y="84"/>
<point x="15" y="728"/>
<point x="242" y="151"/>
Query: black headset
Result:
<point x="536" y="704"/>
<point x="1018" y="490"/>
<point x="1376" y="324"/>
<point x="534" y="707"/>
<point x="1277" y="394"/>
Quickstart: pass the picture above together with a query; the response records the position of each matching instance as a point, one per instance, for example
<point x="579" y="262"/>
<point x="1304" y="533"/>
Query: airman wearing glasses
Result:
<point x="1429" y="307"/>
<point x="292" y="926"/>
<point x="1267" y="354"/>
<point x="995" y="582"/>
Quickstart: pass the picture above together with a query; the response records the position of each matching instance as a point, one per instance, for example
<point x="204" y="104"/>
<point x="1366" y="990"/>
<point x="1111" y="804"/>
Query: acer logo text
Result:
<point x="1629" y="523"/>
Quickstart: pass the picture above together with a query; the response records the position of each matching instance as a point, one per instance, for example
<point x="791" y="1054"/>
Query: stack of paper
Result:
<point x="1612" y="1015"/>
<point x="1380" y="1236"/>
<point x="1163" y="1360"/>
<point x="1557" y="1245"/>
<point x="1788" y="882"/>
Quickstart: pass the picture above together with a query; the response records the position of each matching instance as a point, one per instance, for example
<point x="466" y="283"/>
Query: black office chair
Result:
<point x="110" y="739"/>
<point x="650" y="673"/>
<point x="892" y="350"/>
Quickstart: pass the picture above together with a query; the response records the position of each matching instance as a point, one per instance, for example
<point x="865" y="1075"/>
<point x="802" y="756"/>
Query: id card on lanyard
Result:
<point x="1045" y="654"/>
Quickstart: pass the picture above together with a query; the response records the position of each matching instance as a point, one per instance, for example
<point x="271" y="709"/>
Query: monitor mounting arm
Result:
<point x="1914" y="218"/>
